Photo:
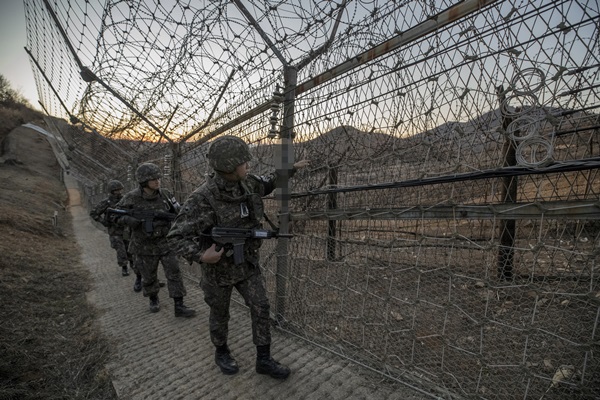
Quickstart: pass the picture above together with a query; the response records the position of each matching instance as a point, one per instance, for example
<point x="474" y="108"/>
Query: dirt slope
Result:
<point x="50" y="344"/>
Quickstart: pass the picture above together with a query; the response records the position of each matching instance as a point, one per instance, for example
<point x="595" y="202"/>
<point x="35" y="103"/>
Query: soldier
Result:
<point x="148" y="237"/>
<point x="117" y="234"/>
<point x="230" y="198"/>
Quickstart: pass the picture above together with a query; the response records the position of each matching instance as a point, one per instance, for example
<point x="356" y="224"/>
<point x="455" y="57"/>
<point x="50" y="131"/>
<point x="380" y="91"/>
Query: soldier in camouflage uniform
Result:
<point x="149" y="248"/>
<point x="117" y="234"/>
<point x="229" y="198"/>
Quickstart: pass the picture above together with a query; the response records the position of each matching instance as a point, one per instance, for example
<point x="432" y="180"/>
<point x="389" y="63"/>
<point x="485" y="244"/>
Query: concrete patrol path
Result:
<point x="158" y="356"/>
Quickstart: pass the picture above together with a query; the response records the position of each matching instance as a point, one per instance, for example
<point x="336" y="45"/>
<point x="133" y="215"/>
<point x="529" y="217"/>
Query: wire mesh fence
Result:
<point x="447" y="231"/>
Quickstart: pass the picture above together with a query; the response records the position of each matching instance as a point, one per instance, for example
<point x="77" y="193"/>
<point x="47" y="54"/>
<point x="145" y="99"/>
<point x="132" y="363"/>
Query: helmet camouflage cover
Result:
<point x="147" y="172"/>
<point x="114" y="185"/>
<point x="227" y="152"/>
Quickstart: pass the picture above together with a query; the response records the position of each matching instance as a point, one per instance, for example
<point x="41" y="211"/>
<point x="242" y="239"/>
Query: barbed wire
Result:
<point x="447" y="226"/>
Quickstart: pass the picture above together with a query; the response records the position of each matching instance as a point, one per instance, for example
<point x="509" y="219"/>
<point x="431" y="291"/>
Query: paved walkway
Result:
<point x="159" y="356"/>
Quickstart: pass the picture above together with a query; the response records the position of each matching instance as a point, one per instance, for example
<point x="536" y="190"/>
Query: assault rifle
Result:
<point x="237" y="237"/>
<point x="146" y="217"/>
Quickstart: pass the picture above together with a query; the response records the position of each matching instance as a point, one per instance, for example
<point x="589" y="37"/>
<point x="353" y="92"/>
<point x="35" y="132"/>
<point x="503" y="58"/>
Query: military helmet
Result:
<point x="227" y="152"/>
<point x="114" y="185"/>
<point x="147" y="172"/>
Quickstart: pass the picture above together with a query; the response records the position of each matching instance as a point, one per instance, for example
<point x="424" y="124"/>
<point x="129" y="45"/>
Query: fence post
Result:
<point x="332" y="223"/>
<point x="176" y="171"/>
<point x="284" y="160"/>
<point x="507" y="227"/>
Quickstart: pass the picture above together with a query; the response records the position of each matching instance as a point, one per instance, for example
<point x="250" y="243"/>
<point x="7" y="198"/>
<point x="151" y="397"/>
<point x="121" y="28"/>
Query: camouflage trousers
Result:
<point x="147" y="265"/>
<point x="123" y="256"/>
<point x="218" y="299"/>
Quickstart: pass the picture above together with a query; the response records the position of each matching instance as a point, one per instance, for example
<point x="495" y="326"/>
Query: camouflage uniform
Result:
<point x="149" y="249"/>
<point x="229" y="199"/>
<point x="223" y="203"/>
<point x="219" y="203"/>
<point x="117" y="234"/>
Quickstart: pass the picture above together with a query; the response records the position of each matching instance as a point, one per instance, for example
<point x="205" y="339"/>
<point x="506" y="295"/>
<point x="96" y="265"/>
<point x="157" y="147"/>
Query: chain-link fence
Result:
<point x="447" y="232"/>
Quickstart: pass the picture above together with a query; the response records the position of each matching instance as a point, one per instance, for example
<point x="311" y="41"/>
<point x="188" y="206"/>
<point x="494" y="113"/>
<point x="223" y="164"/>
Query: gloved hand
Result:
<point x="130" y="221"/>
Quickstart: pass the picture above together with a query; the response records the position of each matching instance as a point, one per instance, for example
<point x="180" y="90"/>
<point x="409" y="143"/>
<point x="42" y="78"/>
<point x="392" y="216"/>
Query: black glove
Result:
<point x="130" y="221"/>
<point x="102" y="221"/>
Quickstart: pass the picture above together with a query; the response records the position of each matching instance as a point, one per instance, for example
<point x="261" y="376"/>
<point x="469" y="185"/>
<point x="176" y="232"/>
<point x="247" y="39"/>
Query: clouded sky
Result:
<point x="14" y="61"/>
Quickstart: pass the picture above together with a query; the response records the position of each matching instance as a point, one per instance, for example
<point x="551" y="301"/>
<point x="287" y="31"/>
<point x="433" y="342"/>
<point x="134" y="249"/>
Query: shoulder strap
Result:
<point x="248" y="192"/>
<point x="271" y="224"/>
<point x="166" y="196"/>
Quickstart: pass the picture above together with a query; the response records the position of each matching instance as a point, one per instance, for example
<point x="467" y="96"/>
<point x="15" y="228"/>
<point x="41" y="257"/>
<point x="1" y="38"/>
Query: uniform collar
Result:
<point x="224" y="184"/>
<point x="229" y="190"/>
<point x="152" y="196"/>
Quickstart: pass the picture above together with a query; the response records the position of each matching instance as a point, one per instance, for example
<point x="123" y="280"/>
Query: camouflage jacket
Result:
<point x="140" y="241"/>
<point x="99" y="214"/>
<point x="221" y="203"/>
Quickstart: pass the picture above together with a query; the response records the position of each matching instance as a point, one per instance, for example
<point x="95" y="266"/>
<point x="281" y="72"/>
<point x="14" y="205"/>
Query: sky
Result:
<point x="14" y="61"/>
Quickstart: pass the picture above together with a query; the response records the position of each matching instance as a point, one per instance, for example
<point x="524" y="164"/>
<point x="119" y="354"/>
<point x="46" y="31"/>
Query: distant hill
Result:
<point x="452" y="147"/>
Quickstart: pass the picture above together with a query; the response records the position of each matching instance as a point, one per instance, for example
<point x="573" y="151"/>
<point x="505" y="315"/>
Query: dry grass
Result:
<point x="50" y="343"/>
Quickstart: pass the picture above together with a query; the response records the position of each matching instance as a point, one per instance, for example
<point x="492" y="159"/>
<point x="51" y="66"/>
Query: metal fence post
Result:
<point x="284" y="160"/>
<point x="176" y="171"/>
<point x="332" y="233"/>
<point x="506" y="252"/>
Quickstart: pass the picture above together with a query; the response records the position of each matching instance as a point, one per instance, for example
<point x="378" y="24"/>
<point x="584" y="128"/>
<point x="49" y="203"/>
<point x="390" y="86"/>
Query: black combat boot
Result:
<point x="224" y="360"/>
<point x="181" y="310"/>
<point x="267" y="366"/>
<point x="124" y="270"/>
<point x="154" y="303"/>
<point x="137" y="285"/>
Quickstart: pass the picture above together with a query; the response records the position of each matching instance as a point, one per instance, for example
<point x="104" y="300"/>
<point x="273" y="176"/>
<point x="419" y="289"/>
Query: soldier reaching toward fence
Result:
<point x="230" y="198"/>
<point x="117" y="234"/>
<point x="148" y="210"/>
